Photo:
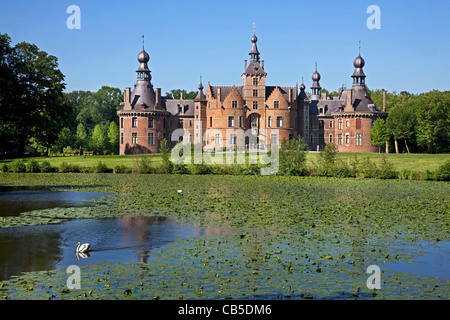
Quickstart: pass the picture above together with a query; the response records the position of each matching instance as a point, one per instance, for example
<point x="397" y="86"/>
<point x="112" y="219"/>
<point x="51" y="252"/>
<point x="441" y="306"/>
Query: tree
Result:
<point x="401" y="122"/>
<point x="292" y="157"/>
<point x="98" y="140"/>
<point x="433" y="122"/>
<point x="65" y="139"/>
<point x="113" y="136"/>
<point x="167" y="165"/>
<point x="379" y="133"/>
<point x="31" y="102"/>
<point x="186" y="95"/>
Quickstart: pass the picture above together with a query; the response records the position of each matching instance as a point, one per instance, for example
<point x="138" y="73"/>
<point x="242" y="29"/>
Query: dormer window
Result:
<point x="255" y="81"/>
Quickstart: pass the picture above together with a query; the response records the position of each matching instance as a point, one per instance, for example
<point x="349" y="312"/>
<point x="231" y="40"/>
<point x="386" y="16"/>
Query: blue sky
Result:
<point x="186" y="39"/>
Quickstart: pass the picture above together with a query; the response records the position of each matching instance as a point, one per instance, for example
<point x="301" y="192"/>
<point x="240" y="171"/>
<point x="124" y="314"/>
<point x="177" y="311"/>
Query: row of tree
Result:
<point x="416" y="122"/>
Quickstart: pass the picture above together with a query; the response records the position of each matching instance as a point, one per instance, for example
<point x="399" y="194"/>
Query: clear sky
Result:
<point x="186" y="39"/>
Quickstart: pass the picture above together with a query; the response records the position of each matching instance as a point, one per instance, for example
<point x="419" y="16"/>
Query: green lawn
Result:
<point x="414" y="162"/>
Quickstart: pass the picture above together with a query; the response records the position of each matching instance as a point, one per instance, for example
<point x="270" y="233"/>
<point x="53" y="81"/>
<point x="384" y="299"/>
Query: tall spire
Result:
<point x="358" y="75"/>
<point x="316" y="88"/>
<point x="254" y="53"/>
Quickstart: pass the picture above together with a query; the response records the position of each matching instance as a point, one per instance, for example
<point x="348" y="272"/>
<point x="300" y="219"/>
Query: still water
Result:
<point x="125" y="239"/>
<point x="15" y="200"/>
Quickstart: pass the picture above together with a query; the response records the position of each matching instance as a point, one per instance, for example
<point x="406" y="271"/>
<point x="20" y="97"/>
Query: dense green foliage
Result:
<point x="417" y="122"/>
<point x="32" y="108"/>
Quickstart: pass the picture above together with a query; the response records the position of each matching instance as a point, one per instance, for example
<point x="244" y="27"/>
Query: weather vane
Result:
<point x="142" y="41"/>
<point x="254" y="28"/>
<point x="359" y="46"/>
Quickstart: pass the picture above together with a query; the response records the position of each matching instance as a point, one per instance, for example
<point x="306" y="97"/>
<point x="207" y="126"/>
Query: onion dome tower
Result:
<point x="143" y="95"/>
<point x="359" y="78"/>
<point x="316" y="88"/>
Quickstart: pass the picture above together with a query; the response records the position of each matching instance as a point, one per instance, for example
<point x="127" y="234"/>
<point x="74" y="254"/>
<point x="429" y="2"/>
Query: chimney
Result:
<point x="290" y="95"/>
<point x="245" y="65"/>
<point x="384" y="100"/>
<point x="126" y="99"/>
<point x="324" y="96"/>
<point x="181" y="95"/>
<point x="262" y="64"/>
<point x="348" y="105"/>
<point x="158" y="96"/>
<point x="218" y="94"/>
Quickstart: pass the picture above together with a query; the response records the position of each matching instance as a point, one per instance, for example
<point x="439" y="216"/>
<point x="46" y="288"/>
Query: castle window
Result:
<point x="232" y="139"/>
<point x="321" y="124"/>
<point x="180" y="123"/>
<point x="190" y="123"/>
<point x="279" y="122"/>
<point x="150" y="122"/>
<point x="234" y="104"/>
<point x="269" y="122"/>
<point x="210" y="122"/>
<point x="255" y="81"/>
<point x="231" y="121"/>
<point x="330" y="139"/>
<point x="121" y="138"/>
<point x="121" y="123"/>
<point x="347" y="139"/>
<point x="276" y="104"/>
<point x="150" y="138"/>
<point x="340" y="139"/>
<point x="217" y="139"/>
<point x="358" y="124"/>
<point x="340" y="124"/>
<point x="273" y="139"/>
<point x="358" y="139"/>
<point x="240" y="121"/>
<point x="347" y="123"/>
<point x="134" y="138"/>
<point x="331" y="123"/>
<point x="255" y="92"/>
<point x="255" y="105"/>
<point x="134" y="122"/>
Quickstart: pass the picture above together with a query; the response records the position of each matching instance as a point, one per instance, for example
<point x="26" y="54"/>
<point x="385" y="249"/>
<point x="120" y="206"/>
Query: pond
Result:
<point x="15" y="200"/>
<point x="124" y="239"/>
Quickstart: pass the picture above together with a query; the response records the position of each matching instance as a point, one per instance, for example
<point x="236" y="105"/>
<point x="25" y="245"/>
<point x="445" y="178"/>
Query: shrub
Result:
<point x="101" y="167"/>
<point x="121" y="169"/>
<point x="167" y="165"/>
<point x="405" y="174"/>
<point x="292" y="157"/>
<point x="367" y="168"/>
<point x="144" y="166"/>
<point x="202" y="168"/>
<point x="180" y="168"/>
<point x="18" y="166"/>
<point x="33" y="166"/>
<point x="386" y="170"/>
<point x="68" y="167"/>
<point x="443" y="172"/>
<point x="4" y="167"/>
<point x="46" y="167"/>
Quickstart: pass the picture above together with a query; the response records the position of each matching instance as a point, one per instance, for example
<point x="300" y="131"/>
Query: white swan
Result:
<point x="85" y="247"/>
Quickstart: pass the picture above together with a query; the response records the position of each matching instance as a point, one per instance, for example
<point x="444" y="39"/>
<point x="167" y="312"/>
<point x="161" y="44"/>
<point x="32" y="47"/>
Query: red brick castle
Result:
<point x="271" y="113"/>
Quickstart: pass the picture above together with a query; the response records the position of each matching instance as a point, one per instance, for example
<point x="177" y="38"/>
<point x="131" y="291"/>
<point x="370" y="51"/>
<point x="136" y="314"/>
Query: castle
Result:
<point x="270" y="113"/>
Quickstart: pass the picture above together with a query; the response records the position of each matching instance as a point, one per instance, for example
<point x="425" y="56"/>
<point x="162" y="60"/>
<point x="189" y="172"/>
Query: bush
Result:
<point x="101" y="167"/>
<point x="68" y="167"/>
<point x="180" y="168"/>
<point x="443" y="172"/>
<point x="46" y="167"/>
<point x="18" y="166"/>
<point x="292" y="157"/>
<point x="144" y="166"/>
<point x="202" y="168"/>
<point x="33" y="166"/>
<point x="121" y="169"/>
<point x="386" y="170"/>
<point x="405" y="174"/>
<point x="4" y="167"/>
<point x="367" y="168"/>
